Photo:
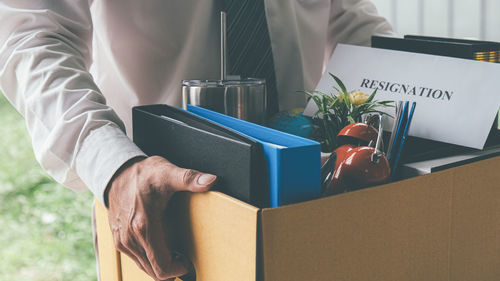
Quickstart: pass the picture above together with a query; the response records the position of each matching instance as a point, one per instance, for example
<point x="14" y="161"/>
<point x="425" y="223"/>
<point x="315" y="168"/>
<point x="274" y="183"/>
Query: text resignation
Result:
<point x="407" y="89"/>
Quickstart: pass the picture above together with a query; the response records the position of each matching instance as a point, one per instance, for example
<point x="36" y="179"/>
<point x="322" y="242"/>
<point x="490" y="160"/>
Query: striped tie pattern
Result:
<point x="249" y="46"/>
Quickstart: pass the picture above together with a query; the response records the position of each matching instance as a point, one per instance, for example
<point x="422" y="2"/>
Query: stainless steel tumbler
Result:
<point x="244" y="99"/>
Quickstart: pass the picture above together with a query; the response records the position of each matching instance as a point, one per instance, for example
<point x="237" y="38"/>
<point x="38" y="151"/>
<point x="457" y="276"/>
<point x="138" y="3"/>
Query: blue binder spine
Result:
<point x="293" y="162"/>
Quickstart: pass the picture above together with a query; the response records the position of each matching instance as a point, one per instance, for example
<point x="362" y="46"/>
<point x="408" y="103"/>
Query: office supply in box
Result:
<point x="399" y="122"/>
<point x="483" y="50"/>
<point x="193" y="142"/>
<point x="457" y="99"/>
<point x="407" y="118"/>
<point x="394" y="130"/>
<point x="359" y="165"/>
<point x="294" y="162"/>
<point x="327" y="170"/>
<point x="420" y="168"/>
<point x="465" y="49"/>
<point x="245" y="98"/>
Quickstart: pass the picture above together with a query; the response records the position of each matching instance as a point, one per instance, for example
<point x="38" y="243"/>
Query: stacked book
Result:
<point x="255" y="164"/>
<point x="487" y="51"/>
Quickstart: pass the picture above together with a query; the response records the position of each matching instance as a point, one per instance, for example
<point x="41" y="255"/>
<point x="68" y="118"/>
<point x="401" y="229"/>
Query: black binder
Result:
<point x="465" y="49"/>
<point x="482" y="50"/>
<point x="192" y="142"/>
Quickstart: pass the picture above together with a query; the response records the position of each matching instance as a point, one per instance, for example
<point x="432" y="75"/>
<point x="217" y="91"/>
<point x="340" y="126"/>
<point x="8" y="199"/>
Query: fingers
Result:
<point x="180" y="179"/>
<point x="162" y="262"/>
<point x="151" y="253"/>
<point x="128" y="249"/>
<point x="135" y="213"/>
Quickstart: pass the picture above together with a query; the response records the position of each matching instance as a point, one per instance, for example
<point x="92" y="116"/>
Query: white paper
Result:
<point x="460" y="107"/>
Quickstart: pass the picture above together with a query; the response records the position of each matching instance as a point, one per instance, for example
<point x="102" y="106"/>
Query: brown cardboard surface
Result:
<point x="475" y="227"/>
<point x="442" y="226"/>
<point x="218" y="233"/>
<point x="221" y="235"/>
<point x="131" y="272"/>
<point x="392" y="232"/>
<point x="109" y="258"/>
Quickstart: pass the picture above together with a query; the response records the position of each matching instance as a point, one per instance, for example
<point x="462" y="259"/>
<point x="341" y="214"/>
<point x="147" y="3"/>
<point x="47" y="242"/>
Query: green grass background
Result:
<point x="45" y="228"/>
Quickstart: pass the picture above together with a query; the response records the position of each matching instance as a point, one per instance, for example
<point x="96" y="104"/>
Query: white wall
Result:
<point x="478" y="19"/>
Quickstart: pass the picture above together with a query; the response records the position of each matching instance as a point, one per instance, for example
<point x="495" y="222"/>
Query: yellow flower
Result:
<point x="357" y="97"/>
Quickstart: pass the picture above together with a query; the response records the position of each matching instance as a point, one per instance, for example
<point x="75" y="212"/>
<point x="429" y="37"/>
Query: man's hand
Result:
<point x="137" y="199"/>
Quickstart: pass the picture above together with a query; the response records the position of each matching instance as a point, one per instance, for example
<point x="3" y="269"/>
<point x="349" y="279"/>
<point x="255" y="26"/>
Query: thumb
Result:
<point x="180" y="179"/>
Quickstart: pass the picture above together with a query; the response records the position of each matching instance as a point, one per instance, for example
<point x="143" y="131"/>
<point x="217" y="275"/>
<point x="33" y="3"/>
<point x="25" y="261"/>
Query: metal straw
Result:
<point x="223" y="46"/>
<point x="378" y="152"/>
<point x="399" y="109"/>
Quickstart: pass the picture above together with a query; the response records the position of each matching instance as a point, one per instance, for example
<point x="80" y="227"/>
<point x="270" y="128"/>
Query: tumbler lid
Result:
<point x="223" y="83"/>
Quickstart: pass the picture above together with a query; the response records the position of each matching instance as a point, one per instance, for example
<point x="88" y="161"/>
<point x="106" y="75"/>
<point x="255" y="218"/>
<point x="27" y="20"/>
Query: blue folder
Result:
<point x="293" y="162"/>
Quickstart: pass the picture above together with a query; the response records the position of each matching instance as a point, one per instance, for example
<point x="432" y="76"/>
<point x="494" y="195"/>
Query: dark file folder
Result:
<point x="293" y="162"/>
<point x="483" y="50"/>
<point x="464" y="49"/>
<point x="192" y="142"/>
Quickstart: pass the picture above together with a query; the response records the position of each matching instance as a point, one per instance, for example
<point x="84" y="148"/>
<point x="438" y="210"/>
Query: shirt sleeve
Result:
<point x="45" y="55"/>
<point x="355" y="21"/>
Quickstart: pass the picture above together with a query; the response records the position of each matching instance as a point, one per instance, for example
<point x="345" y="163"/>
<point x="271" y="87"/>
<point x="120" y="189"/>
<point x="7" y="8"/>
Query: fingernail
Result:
<point x="206" y="179"/>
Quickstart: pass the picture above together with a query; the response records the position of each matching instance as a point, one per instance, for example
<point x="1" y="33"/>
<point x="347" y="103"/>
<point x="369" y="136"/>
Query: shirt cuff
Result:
<point x="103" y="152"/>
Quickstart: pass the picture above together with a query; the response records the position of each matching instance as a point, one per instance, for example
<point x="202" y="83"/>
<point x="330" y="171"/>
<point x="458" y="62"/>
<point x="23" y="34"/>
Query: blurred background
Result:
<point x="45" y="229"/>
<point x="476" y="19"/>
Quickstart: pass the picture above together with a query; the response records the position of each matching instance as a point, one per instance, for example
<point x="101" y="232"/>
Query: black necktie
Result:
<point x="249" y="46"/>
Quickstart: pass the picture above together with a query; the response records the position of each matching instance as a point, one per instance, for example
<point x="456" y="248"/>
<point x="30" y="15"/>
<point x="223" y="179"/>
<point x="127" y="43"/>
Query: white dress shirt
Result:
<point x="138" y="51"/>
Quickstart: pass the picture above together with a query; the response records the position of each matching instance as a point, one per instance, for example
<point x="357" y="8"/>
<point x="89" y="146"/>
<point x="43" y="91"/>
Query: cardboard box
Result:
<point x="442" y="226"/>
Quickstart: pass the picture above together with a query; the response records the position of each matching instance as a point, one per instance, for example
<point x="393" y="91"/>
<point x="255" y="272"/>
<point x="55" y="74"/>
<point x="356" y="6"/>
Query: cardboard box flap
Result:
<point x="216" y="231"/>
<point x="219" y="233"/>
<point x="391" y="232"/>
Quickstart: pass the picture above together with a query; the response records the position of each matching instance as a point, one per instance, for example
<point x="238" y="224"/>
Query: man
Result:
<point x="138" y="52"/>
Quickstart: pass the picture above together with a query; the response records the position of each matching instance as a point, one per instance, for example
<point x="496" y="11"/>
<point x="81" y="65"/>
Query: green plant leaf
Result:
<point x="339" y="92"/>
<point x="347" y="102"/>
<point x="307" y="93"/>
<point x="386" y="102"/>
<point x="370" y="98"/>
<point x="324" y="103"/>
<point x="333" y="104"/>
<point x="355" y="110"/>
<point x="319" y="93"/>
<point x="360" y="108"/>
<point x="340" y="83"/>
<point x="337" y="111"/>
